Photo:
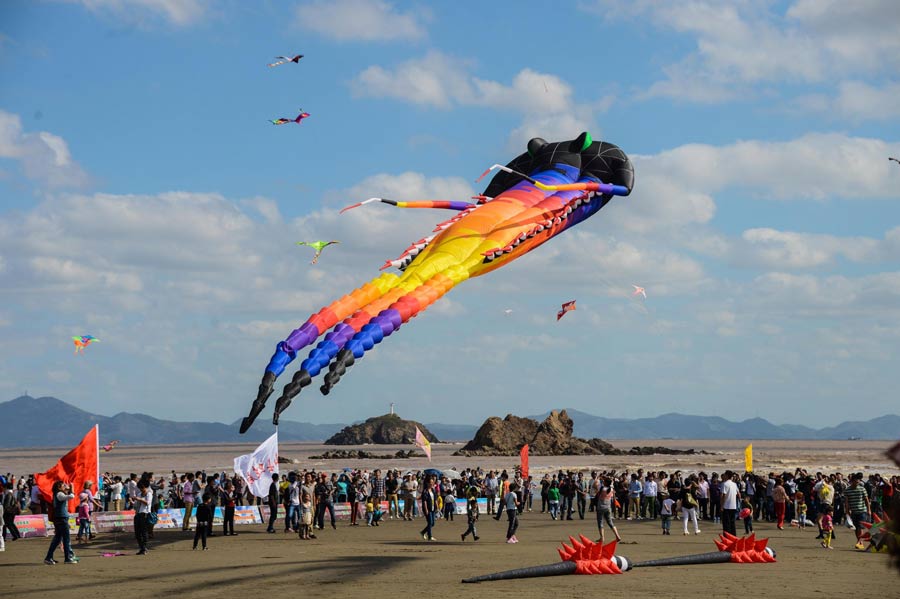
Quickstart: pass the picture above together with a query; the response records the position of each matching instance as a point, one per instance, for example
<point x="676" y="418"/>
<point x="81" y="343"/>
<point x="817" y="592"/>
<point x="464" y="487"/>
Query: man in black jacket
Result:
<point x="272" y="502"/>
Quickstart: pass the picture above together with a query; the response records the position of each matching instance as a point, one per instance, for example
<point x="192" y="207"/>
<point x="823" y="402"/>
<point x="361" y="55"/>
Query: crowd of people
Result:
<point x="308" y="499"/>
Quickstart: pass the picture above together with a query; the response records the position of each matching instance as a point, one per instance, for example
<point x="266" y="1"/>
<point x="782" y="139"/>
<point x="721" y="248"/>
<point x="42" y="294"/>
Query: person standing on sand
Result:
<point x="142" y="500"/>
<point x="471" y="513"/>
<point x="228" y="501"/>
<point x="272" y="502"/>
<point x="779" y="501"/>
<point x="187" y="496"/>
<point x="429" y="505"/>
<point x="11" y="509"/>
<point x="62" y="493"/>
<point x="204" y="517"/>
<point x="729" y="502"/>
<point x="857" y="505"/>
<point x="511" y="502"/>
<point x="604" y="507"/>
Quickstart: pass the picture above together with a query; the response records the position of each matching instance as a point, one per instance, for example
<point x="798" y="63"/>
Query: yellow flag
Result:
<point x="748" y="458"/>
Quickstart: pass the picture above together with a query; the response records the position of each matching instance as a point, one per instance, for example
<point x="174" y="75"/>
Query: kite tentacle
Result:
<point x="329" y="347"/>
<point x="389" y="320"/>
<point x="309" y="331"/>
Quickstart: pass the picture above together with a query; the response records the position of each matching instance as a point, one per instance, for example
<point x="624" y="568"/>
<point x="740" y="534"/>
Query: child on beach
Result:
<point x="801" y="511"/>
<point x="370" y="511"/>
<point x="204" y="517"/>
<point x="471" y="513"/>
<point x="449" y="504"/>
<point x="377" y="513"/>
<point x="665" y="513"/>
<point x="747" y="516"/>
<point x="306" y="515"/>
<point x="827" y="527"/>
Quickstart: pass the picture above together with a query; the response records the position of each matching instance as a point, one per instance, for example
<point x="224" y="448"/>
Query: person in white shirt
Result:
<point x="143" y="499"/>
<point x="651" y="490"/>
<point x="730" y="501"/>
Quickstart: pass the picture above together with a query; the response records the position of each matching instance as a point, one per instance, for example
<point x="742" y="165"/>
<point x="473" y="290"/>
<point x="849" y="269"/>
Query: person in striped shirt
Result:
<point x="856" y="501"/>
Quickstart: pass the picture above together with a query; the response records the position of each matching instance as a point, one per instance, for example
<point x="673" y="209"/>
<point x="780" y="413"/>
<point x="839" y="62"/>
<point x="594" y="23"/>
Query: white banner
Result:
<point x="257" y="468"/>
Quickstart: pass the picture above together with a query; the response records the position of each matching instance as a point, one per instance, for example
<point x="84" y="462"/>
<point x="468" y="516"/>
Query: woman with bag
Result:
<point x="689" y="506"/>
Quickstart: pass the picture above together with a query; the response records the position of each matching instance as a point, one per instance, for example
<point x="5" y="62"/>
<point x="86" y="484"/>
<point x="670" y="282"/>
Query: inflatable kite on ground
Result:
<point x="318" y="246"/>
<point x="639" y="291"/>
<point x="548" y="189"/>
<point x="82" y="342"/>
<point x="284" y="121"/>
<point x="109" y="446"/>
<point x="739" y="550"/>
<point x="877" y="534"/>
<point x="566" y="307"/>
<point x="588" y="557"/>
<point x="279" y="60"/>
<point x="585" y="557"/>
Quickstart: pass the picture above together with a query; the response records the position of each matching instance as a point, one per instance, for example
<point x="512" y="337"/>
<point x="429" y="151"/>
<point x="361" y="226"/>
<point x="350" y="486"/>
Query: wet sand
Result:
<point x="776" y="456"/>
<point x="384" y="561"/>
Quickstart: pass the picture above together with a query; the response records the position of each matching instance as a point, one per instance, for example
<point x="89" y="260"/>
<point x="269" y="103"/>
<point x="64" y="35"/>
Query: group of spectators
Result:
<point x="308" y="496"/>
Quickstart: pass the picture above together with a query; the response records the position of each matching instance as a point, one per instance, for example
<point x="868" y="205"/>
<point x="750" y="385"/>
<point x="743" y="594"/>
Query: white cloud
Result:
<point x="771" y="248"/>
<point x="441" y="81"/>
<point x="813" y="166"/>
<point x="359" y="20"/>
<point x="44" y="157"/>
<point x="177" y="12"/>
<point x="740" y="46"/>
<point x="861" y="101"/>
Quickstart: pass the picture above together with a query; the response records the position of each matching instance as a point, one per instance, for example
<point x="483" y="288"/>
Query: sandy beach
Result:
<point x="777" y="456"/>
<point x="382" y="561"/>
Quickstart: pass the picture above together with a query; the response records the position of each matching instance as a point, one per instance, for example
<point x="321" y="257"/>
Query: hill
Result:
<point x="684" y="426"/>
<point x="49" y="422"/>
<point x="389" y="429"/>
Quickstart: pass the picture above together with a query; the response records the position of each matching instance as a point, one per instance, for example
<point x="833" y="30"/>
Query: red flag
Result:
<point x="79" y="465"/>
<point x="523" y="456"/>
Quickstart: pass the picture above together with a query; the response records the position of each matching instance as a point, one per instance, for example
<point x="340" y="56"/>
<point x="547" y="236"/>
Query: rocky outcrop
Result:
<point x="500" y="437"/>
<point x="356" y="454"/>
<point x="389" y="429"/>
<point x="551" y="437"/>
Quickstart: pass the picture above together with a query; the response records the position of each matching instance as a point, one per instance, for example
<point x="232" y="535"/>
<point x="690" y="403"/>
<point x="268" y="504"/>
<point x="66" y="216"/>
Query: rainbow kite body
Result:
<point x="82" y="342"/>
<point x="540" y="194"/>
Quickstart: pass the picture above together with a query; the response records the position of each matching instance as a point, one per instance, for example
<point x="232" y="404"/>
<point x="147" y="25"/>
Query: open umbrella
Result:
<point x="433" y="472"/>
<point x="452" y="474"/>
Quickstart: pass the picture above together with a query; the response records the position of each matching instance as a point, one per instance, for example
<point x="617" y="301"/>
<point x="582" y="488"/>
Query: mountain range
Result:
<point x="683" y="426"/>
<point x="49" y="422"/>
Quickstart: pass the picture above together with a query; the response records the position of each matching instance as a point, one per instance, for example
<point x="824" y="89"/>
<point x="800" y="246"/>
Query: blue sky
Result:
<point x="144" y="199"/>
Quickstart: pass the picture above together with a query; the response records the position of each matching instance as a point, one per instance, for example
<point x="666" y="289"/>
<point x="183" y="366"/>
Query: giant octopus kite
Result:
<point x="541" y="193"/>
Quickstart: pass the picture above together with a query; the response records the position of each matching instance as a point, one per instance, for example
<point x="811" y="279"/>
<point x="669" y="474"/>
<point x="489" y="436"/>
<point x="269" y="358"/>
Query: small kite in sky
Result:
<point x="565" y="308"/>
<point x="279" y="60"/>
<point x="318" y="246"/>
<point x="508" y="311"/>
<point x="110" y="446"/>
<point x="284" y="121"/>
<point x="638" y="291"/>
<point x="894" y="159"/>
<point x="82" y="342"/>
